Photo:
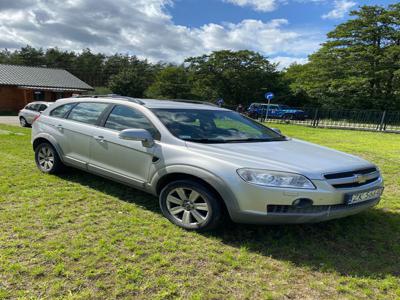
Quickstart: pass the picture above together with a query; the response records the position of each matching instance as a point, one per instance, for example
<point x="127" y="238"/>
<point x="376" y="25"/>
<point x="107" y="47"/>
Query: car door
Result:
<point x="75" y="131"/>
<point x="125" y="160"/>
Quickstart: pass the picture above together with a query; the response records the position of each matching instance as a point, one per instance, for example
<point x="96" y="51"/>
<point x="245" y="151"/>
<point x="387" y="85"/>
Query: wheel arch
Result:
<point x="45" y="138"/>
<point x="213" y="182"/>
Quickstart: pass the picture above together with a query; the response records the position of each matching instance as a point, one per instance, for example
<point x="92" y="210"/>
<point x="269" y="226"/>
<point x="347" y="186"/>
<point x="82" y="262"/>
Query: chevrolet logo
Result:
<point x="360" y="178"/>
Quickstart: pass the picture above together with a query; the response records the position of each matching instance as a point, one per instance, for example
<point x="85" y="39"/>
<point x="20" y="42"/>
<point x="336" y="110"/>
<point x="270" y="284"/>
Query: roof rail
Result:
<point x="115" y="96"/>
<point x="193" y="101"/>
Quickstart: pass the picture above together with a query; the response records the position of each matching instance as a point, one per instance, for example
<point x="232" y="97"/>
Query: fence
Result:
<point x="381" y="121"/>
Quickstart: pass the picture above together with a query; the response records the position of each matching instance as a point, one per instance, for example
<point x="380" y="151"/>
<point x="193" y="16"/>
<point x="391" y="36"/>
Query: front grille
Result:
<point x="314" y="209"/>
<point x="351" y="179"/>
<point x="349" y="174"/>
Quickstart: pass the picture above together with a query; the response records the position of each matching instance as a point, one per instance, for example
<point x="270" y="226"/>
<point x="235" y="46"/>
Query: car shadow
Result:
<point x="364" y="245"/>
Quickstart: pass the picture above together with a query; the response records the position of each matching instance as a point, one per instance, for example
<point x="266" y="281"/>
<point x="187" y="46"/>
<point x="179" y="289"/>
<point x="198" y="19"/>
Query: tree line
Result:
<point x="357" y="67"/>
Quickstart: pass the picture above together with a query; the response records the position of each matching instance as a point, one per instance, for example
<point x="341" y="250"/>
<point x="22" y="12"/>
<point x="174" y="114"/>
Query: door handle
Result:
<point x="99" y="138"/>
<point x="59" y="126"/>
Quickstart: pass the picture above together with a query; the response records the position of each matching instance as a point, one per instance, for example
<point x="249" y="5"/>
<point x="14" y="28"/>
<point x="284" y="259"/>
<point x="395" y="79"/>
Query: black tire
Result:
<point x="53" y="165"/>
<point x="23" y="122"/>
<point x="288" y="117"/>
<point x="213" y="216"/>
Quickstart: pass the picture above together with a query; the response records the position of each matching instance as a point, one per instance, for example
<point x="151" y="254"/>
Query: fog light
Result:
<point x="302" y="203"/>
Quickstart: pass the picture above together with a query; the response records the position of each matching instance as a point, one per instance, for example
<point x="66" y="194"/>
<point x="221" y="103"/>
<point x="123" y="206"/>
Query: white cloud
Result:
<point x="259" y="5"/>
<point x="341" y="8"/>
<point x="143" y="28"/>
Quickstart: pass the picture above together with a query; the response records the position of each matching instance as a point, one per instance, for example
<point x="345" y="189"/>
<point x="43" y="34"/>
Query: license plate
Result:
<point x="364" y="196"/>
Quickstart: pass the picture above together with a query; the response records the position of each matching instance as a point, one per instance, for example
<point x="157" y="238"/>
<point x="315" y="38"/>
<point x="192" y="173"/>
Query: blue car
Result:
<point x="275" y="111"/>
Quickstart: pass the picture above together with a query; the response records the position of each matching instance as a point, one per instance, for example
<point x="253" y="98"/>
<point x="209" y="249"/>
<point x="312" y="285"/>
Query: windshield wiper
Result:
<point x="220" y="141"/>
<point x="205" y="141"/>
<point x="257" y="140"/>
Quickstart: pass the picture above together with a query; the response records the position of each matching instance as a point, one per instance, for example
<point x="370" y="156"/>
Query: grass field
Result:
<point x="78" y="236"/>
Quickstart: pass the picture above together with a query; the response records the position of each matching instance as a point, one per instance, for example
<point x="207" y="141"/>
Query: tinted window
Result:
<point x="87" y="112"/>
<point x="42" y="107"/>
<point x="33" y="107"/>
<point x="62" y="110"/>
<point x="123" y="117"/>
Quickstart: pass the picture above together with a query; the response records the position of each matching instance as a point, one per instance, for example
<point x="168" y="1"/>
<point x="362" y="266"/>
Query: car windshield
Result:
<point x="215" y="126"/>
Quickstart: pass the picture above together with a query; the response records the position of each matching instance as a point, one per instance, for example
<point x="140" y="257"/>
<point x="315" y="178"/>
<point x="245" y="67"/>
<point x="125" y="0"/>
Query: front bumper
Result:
<point x="329" y="212"/>
<point x="260" y="205"/>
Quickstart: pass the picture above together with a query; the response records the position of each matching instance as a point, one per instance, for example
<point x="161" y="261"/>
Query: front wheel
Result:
<point x="190" y="205"/>
<point x="23" y="122"/>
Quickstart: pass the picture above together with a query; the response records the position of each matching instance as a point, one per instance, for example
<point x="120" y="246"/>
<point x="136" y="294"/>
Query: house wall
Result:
<point x="13" y="98"/>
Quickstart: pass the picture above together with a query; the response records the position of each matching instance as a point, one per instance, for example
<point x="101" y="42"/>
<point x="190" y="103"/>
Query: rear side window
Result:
<point x="87" y="112"/>
<point x="122" y="117"/>
<point x="33" y="107"/>
<point x="61" y="111"/>
<point x="42" y="107"/>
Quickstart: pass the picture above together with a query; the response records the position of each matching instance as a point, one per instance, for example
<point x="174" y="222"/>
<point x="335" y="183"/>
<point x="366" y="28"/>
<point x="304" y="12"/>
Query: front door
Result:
<point x="124" y="160"/>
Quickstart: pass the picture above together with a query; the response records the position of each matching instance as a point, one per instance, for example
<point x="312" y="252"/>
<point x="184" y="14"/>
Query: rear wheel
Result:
<point x="190" y="205"/>
<point x="47" y="159"/>
<point x="23" y="122"/>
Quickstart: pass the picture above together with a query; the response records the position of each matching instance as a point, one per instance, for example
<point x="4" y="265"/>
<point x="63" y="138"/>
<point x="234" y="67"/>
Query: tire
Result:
<point x="47" y="159"/>
<point x="191" y="205"/>
<point x="23" y="122"/>
<point x="288" y="117"/>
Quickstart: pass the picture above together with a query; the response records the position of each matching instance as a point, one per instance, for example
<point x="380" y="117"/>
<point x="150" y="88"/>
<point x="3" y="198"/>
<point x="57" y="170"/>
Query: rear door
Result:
<point x="127" y="161"/>
<point x="76" y="130"/>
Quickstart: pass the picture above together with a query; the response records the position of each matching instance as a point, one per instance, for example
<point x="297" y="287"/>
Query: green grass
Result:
<point x="78" y="236"/>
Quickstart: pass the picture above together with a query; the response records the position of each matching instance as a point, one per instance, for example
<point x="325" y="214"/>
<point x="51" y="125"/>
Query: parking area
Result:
<point x="9" y="120"/>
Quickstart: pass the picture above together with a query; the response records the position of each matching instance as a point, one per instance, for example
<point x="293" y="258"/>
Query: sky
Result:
<point x="285" y="31"/>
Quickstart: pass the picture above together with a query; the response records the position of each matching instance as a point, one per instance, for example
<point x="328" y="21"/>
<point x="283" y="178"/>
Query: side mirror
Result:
<point x="137" y="135"/>
<point x="277" y="130"/>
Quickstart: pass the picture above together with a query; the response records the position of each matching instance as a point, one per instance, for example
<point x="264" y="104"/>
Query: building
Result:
<point x="20" y="85"/>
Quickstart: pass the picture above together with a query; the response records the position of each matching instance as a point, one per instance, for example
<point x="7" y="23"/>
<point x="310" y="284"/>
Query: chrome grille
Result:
<point x="354" y="178"/>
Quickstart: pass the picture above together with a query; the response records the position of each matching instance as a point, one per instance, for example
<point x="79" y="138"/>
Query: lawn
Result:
<point x="78" y="236"/>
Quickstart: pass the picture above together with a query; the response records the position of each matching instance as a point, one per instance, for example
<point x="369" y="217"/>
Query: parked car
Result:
<point x="31" y="111"/>
<point x="275" y="111"/>
<point x="204" y="162"/>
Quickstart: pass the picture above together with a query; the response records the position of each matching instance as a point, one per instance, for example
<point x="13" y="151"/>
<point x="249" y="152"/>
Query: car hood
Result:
<point x="292" y="155"/>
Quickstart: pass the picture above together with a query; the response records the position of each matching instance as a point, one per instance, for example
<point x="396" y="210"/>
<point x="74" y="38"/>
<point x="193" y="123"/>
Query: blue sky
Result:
<point x="286" y="31"/>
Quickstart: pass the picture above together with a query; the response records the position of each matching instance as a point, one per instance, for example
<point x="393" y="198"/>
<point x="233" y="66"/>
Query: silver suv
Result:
<point x="204" y="162"/>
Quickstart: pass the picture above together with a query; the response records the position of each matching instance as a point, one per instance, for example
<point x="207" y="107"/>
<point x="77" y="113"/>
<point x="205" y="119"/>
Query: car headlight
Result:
<point x="275" y="179"/>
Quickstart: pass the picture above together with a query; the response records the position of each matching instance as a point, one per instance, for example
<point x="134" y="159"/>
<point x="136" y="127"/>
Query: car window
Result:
<point x="87" y="112"/>
<point x="42" y="107"/>
<point x="33" y="107"/>
<point x="61" y="111"/>
<point x="122" y="117"/>
<point x="214" y="126"/>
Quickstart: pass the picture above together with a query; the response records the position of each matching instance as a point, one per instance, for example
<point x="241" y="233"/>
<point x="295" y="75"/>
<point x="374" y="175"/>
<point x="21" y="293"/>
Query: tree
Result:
<point x="358" y="67"/>
<point x="172" y="82"/>
<point x="238" y="77"/>
<point x="133" y="80"/>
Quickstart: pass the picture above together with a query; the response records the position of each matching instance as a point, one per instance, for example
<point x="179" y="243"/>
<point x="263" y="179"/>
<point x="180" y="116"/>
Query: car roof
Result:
<point x="149" y="103"/>
<point x="39" y="102"/>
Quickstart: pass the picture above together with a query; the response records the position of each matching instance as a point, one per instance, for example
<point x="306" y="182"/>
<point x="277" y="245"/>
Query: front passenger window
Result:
<point x="123" y="117"/>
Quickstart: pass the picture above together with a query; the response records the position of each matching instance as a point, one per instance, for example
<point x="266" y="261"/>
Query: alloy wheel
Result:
<point x="188" y="206"/>
<point x="46" y="158"/>
<point x="22" y="121"/>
